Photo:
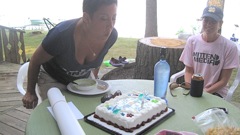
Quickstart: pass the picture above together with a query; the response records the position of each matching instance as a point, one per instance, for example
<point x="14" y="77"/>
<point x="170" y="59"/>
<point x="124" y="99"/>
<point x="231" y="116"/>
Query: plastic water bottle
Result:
<point x="161" y="76"/>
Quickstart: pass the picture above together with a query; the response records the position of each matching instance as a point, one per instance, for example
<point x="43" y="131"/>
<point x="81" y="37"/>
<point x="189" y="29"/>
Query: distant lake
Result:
<point x="173" y="15"/>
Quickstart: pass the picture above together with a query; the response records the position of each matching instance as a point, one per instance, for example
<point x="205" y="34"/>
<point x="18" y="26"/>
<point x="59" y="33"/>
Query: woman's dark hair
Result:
<point x="91" y="6"/>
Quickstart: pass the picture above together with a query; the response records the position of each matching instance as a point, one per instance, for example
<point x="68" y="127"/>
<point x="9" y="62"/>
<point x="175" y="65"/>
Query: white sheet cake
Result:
<point x="130" y="111"/>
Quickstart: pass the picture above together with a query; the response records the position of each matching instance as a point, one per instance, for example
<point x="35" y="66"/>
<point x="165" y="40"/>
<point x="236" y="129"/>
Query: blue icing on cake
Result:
<point x="131" y="109"/>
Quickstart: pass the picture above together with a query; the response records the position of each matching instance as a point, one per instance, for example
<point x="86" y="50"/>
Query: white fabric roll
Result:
<point x="66" y="121"/>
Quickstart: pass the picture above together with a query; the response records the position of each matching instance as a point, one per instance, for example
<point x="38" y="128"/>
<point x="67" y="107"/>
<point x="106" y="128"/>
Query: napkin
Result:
<point x="78" y="115"/>
<point x="66" y="121"/>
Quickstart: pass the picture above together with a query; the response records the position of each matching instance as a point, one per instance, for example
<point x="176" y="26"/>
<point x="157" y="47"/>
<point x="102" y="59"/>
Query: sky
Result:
<point x="173" y="15"/>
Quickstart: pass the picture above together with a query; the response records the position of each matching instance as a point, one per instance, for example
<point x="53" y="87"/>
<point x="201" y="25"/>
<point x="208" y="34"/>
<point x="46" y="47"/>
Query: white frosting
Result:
<point x="131" y="109"/>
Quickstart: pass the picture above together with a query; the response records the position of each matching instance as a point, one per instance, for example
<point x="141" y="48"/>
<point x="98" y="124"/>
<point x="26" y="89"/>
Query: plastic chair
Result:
<point x="177" y="75"/>
<point x="22" y="76"/>
<point x="21" y="79"/>
<point x="232" y="88"/>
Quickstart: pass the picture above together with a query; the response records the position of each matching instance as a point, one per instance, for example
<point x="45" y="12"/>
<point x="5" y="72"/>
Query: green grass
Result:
<point x="32" y="41"/>
<point x="123" y="47"/>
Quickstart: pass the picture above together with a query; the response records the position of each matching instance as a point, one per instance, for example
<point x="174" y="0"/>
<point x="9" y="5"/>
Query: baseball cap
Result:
<point x="214" y="12"/>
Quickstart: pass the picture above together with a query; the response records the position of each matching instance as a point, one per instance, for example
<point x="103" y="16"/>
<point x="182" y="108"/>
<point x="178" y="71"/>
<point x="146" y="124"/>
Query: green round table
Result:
<point x="41" y="121"/>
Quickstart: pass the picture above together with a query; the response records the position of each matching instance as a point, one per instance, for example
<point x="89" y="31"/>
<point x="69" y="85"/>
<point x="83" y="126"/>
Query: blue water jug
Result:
<point x="161" y="76"/>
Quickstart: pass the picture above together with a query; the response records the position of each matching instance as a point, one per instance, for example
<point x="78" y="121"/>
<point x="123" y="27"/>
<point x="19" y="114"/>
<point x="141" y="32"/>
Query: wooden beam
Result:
<point x="1" y="46"/>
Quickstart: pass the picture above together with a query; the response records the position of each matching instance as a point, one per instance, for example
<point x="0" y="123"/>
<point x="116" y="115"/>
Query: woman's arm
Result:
<point x="39" y="57"/>
<point x="222" y="81"/>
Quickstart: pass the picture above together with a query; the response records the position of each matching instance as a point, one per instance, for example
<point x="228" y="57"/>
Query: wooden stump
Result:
<point x="148" y="54"/>
<point x="125" y="72"/>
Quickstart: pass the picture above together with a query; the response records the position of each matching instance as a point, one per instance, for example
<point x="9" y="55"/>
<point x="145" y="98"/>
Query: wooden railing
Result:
<point x="12" y="47"/>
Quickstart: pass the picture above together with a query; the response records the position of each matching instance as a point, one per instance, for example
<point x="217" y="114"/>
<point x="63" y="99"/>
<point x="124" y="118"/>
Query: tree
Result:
<point x="151" y="18"/>
<point x="148" y="54"/>
<point x="218" y="3"/>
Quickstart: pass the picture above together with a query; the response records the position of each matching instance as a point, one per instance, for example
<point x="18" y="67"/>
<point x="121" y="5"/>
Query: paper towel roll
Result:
<point x="66" y="121"/>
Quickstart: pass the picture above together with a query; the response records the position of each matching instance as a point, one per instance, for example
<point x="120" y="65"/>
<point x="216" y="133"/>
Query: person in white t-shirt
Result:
<point x="210" y="54"/>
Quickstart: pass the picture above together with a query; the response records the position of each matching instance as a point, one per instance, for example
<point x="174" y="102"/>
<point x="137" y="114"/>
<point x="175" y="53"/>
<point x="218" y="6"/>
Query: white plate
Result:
<point x="95" y="91"/>
<point x="85" y="84"/>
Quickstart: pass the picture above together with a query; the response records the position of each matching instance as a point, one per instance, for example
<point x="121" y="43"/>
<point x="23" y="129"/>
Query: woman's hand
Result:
<point x="30" y="100"/>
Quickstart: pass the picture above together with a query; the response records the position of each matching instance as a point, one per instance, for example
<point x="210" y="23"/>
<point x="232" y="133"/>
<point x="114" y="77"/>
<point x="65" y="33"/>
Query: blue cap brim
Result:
<point x="216" y="18"/>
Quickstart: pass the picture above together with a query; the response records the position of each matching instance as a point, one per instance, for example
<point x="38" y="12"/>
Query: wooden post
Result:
<point x="1" y="46"/>
<point x="148" y="54"/>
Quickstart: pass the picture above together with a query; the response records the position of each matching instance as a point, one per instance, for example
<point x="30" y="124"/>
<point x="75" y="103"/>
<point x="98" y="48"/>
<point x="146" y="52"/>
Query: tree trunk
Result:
<point x="148" y="54"/>
<point x="125" y="72"/>
<point x="218" y="3"/>
<point x="151" y="18"/>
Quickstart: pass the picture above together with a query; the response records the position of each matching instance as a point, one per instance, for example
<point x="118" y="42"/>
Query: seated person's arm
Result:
<point x="222" y="81"/>
<point x="188" y="74"/>
<point x="95" y="72"/>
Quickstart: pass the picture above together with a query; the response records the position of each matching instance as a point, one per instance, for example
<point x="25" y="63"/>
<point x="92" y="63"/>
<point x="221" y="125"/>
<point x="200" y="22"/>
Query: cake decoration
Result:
<point x="130" y="111"/>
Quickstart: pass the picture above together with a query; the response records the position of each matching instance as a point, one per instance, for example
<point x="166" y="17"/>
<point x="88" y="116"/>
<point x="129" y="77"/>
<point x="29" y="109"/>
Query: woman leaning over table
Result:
<point x="211" y="54"/>
<point x="72" y="49"/>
